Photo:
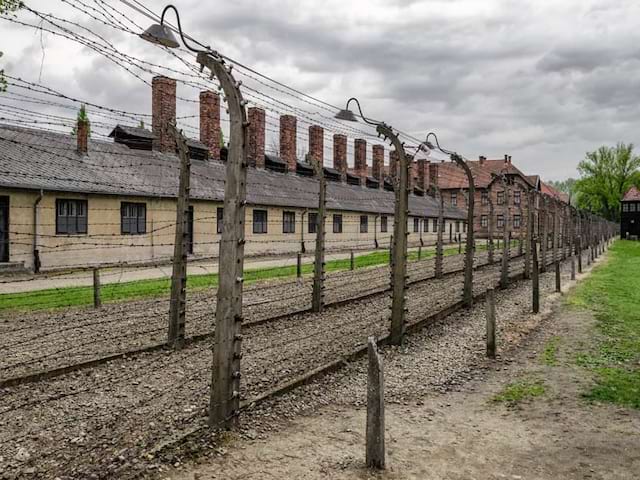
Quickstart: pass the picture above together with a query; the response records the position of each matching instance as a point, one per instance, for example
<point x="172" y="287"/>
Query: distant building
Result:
<point x="630" y="214"/>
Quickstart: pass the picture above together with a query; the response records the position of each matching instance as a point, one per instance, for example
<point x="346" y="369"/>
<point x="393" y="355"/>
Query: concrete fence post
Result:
<point x="439" y="237"/>
<point x="97" y="302"/>
<point x="317" y="301"/>
<point x="375" y="448"/>
<point x="299" y="265"/>
<point x="490" y="311"/>
<point x="558" y="278"/>
<point x="352" y="263"/>
<point x="535" y="279"/>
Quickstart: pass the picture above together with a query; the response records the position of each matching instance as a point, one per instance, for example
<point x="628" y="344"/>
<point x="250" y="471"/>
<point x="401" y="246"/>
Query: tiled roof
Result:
<point x="451" y="176"/>
<point x="133" y="131"/>
<point x="552" y="192"/>
<point x="633" y="194"/>
<point x="33" y="159"/>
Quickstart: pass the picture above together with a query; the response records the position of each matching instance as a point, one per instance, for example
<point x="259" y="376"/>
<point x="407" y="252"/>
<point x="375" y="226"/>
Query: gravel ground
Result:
<point x="102" y="422"/>
<point x="34" y="342"/>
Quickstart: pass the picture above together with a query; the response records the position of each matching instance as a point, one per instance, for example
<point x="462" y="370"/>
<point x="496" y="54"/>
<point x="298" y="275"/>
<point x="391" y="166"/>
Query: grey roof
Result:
<point x="34" y="159"/>
<point x="133" y="131"/>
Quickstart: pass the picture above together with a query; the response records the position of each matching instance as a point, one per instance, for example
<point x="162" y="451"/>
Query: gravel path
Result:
<point x="35" y="342"/>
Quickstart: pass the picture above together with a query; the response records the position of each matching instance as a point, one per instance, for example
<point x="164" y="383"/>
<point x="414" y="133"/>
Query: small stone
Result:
<point x="23" y="455"/>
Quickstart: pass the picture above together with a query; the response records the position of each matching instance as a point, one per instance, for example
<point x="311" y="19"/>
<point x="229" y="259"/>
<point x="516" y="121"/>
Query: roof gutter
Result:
<point x="36" y="222"/>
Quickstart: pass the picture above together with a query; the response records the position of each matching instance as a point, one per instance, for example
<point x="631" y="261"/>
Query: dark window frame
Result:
<point x="364" y="223"/>
<point x="337" y="223"/>
<point x="288" y="222"/>
<point x="517" y="220"/>
<point x="457" y="226"/>
<point x="219" y="220"/>
<point x="140" y="220"/>
<point x="312" y="220"/>
<point x="435" y="225"/>
<point x="384" y="224"/>
<point x="80" y="228"/>
<point x="425" y="225"/>
<point x="625" y="207"/>
<point x="500" y="220"/>
<point x="484" y="221"/>
<point x="484" y="197"/>
<point x="516" y="197"/>
<point x="416" y="225"/>
<point x="260" y="227"/>
<point x="454" y="199"/>
<point x="632" y="208"/>
<point x="501" y="198"/>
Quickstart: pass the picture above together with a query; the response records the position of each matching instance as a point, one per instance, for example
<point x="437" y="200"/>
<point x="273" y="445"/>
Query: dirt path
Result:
<point x="451" y="429"/>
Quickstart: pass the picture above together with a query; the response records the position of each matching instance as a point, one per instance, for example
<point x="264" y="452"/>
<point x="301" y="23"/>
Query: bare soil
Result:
<point x="447" y="427"/>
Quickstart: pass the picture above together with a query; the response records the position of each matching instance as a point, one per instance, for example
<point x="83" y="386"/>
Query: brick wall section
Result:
<point x="255" y="150"/>
<point x="210" y="122"/>
<point x="378" y="163"/>
<point x="163" y="110"/>
<point x="340" y="154"/>
<point x="360" y="158"/>
<point x="316" y="143"/>
<point x="433" y="174"/>
<point x="288" y="146"/>
<point x="423" y="174"/>
<point x="82" y="136"/>
<point x="411" y="172"/>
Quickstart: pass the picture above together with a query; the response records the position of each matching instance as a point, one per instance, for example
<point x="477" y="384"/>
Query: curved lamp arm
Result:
<point x="366" y="120"/>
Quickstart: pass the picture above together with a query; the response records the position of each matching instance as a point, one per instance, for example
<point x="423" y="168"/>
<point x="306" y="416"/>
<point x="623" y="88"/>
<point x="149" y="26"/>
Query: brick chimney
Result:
<point x="506" y="158"/>
<point x="255" y="150"/>
<point x="210" y="122"/>
<point x="433" y="174"/>
<point x="288" y="147"/>
<point x="82" y="136"/>
<point x="163" y="110"/>
<point x="509" y="159"/>
<point x="393" y="164"/>
<point x="316" y="143"/>
<point x="340" y="154"/>
<point x="410" y="172"/>
<point x="360" y="158"/>
<point x="423" y="174"/>
<point x="378" y="163"/>
<point x="482" y="160"/>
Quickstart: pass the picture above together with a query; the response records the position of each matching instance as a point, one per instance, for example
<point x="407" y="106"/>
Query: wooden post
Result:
<point x="352" y="265"/>
<point x="491" y="246"/>
<point x="439" y="237"/>
<point x="491" y="323"/>
<point x="558" y="283"/>
<point x="224" y="402"/>
<point x="299" y="265"/>
<point x="317" y="301"/>
<point x="375" y="454"/>
<point x="177" y="306"/>
<point x="96" y="288"/>
<point x="535" y="279"/>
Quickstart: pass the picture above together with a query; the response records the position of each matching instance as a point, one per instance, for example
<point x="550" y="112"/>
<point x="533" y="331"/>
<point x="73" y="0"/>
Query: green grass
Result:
<point x="519" y="391"/>
<point x="612" y="292"/>
<point x="139" y="289"/>
<point x="550" y="352"/>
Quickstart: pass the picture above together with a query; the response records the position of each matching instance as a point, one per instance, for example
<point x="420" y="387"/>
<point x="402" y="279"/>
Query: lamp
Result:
<point x="347" y="114"/>
<point x="160" y="34"/>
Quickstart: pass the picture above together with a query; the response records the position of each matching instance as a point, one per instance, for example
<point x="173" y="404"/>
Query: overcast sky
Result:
<point x="543" y="81"/>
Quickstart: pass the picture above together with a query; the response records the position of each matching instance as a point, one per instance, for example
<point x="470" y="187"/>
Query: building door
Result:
<point x="190" y="229"/>
<point x="4" y="229"/>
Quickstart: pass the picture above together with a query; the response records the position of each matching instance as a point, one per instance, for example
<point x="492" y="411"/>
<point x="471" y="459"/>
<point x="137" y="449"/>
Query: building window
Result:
<point x="464" y="227"/>
<point x="337" y="224"/>
<point x="425" y="225"/>
<point x="133" y="218"/>
<point x="71" y="216"/>
<point x="219" y="219"/>
<point x="484" y="221"/>
<point x="516" y="221"/>
<point x="500" y="221"/>
<point x="383" y="224"/>
<point x="364" y="223"/>
<point x="416" y="225"/>
<point x="484" y="198"/>
<point x="288" y="222"/>
<point x="259" y="221"/>
<point x="625" y="207"/>
<point x="435" y="225"/>
<point x="516" y="197"/>
<point x="632" y="207"/>
<point x="313" y="222"/>
<point x="454" y="199"/>
<point x="500" y="198"/>
<point x="457" y="226"/>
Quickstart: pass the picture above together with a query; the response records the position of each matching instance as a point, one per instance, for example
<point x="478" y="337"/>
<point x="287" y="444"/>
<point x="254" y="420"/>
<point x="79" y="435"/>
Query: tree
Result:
<point x="606" y="174"/>
<point x="7" y="6"/>
<point x="567" y="186"/>
<point x="82" y="117"/>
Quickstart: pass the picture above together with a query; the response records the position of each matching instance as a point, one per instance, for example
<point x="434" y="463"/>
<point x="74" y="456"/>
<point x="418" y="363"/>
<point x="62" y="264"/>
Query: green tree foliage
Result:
<point x="7" y="6"/>
<point x="82" y="117"/>
<point x="606" y="174"/>
<point x="567" y="186"/>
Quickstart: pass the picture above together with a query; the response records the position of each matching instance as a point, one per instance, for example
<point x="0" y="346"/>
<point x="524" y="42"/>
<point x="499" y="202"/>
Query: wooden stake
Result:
<point x="353" y="263"/>
<point x="96" y="288"/>
<point x="375" y="455"/>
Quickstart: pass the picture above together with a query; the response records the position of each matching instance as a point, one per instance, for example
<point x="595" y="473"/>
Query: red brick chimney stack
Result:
<point x="423" y="174"/>
<point x="509" y="159"/>
<point x="340" y="154"/>
<point x="316" y="143"/>
<point x="82" y="136"/>
<point x="378" y="163"/>
<point x="288" y="147"/>
<point x="210" y="122"/>
<point x="360" y="158"/>
<point x="255" y="150"/>
<point x="482" y="160"/>
<point x="433" y="174"/>
<point x="393" y="164"/>
<point x="163" y="111"/>
<point x="506" y="158"/>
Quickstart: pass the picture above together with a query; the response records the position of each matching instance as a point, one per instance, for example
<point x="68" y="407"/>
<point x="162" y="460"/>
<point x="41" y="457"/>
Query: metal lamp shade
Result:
<point x="346" y="114"/>
<point x="161" y="35"/>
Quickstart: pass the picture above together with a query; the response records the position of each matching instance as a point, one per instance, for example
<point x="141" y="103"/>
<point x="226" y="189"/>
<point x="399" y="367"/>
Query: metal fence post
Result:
<point x="177" y="307"/>
<point x="224" y="400"/>
<point x="97" y="302"/>
<point x="317" y="301"/>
